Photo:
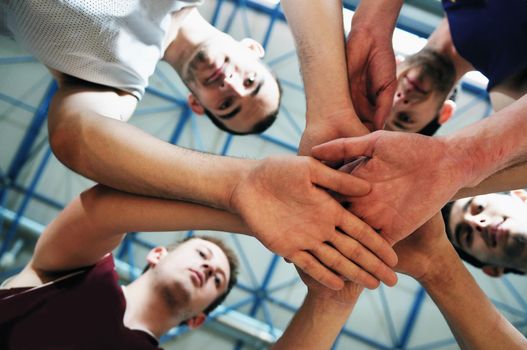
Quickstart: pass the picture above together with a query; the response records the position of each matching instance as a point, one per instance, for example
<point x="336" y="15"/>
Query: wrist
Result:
<point x="441" y="270"/>
<point x="329" y="304"/>
<point x="368" y="14"/>
<point x="331" y="300"/>
<point x="341" y="122"/>
<point x="234" y="195"/>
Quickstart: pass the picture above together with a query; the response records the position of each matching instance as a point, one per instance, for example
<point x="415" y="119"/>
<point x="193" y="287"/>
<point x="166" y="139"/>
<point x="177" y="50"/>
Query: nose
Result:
<point x="403" y="96"/>
<point x="207" y="270"/>
<point x="233" y="82"/>
<point x="400" y="98"/>
<point x="480" y="223"/>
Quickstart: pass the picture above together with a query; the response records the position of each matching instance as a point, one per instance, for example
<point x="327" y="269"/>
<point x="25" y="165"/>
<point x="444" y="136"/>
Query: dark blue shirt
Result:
<point x="491" y="35"/>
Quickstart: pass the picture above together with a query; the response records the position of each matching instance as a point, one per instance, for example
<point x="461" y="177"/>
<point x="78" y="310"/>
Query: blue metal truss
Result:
<point x="262" y="293"/>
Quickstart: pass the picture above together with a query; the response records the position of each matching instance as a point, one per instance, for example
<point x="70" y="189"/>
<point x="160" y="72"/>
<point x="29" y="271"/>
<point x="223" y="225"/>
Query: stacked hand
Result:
<point x="411" y="177"/>
<point x="284" y="202"/>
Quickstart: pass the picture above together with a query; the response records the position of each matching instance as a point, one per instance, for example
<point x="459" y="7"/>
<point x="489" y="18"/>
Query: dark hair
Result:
<point x="259" y="127"/>
<point x="446" y="210"/>
<point x="430" y="128"/>
<point x="233" y="266"/>
<point x="438" y="66"/>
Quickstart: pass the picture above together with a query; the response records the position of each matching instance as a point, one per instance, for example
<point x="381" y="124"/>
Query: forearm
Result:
<point x="493" y="144"/>
<point x="122" y="156"/>
<point x="116" y="212"/>
<point x="377" y="17"/>
<point x="316" y="324"/>
<point x="94" y="224"/>
<point x="319" y="36"/>
<point x="478" y="324"/>
<point x="512" y="178"/>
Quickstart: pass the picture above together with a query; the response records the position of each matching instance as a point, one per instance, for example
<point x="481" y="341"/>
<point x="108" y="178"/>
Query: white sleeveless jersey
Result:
<point x="116" y="43"/>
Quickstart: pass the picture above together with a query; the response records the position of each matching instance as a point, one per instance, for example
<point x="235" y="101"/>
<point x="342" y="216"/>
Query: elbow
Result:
<point x="66" y="143"/>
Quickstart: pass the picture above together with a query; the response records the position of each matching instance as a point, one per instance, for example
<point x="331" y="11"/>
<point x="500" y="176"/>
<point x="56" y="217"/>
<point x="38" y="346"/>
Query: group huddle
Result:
<point x="396" y="198"/>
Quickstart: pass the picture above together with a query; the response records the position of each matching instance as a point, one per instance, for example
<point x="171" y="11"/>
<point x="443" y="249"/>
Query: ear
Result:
<point x="196" y="321"/>
<point x="155" y="255"/>
<point x="195" y="105"/>
<point x="399" y="59"/>
<point x="446" y="111"/>
<point x="493" y="271"/>
<point x="254" y="46"/>
<point x="521" y="194"/>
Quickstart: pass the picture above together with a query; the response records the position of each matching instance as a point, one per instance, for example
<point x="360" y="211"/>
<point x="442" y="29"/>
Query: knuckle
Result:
<point x="355" y="251"/>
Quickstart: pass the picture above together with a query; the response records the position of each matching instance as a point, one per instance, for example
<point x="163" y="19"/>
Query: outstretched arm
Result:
<point x="428" y="256"/>
<point x="319" y="320"/>
<point x="278" y="198"/>
<point x="320" y="48"/>
<point x="95" y="223"/>
<point x="408" y="170"/>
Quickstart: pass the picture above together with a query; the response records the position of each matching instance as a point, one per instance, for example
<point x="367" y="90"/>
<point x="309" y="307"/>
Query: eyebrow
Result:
<point x="467" y="204"/>
<point x="237" y="110"/>
<point x="457" y="234"/>
<point x="457" y="230"/>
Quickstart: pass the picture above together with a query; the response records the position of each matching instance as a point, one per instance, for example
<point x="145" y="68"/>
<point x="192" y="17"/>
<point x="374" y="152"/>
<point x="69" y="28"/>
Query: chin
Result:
<point x="176" y="295"/>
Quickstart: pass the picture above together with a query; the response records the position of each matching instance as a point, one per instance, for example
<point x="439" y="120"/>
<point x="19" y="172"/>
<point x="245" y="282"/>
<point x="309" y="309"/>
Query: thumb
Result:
<point x="345" y="148"/>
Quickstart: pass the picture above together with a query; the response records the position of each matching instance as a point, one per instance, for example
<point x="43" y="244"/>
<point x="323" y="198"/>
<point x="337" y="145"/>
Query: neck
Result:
<point x="441" y="42"/>
<point x="147" y="311"/>
<point x="187" y="32"/>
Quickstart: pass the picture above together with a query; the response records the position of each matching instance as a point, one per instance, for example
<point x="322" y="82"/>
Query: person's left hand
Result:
<point x="412" y="177"/>
<point x="371" y="74"/>
<point x="419" y="254"/>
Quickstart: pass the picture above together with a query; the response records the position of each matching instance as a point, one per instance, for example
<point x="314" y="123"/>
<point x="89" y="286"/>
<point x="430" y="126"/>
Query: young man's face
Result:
<point x="192" y="276"/>
<point x="417" y="100"/>
<point x="228" y="78"/>
<point x="491" y="228"/>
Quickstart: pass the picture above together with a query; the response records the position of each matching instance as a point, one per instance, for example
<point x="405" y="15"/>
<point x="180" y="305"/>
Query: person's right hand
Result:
<point x="411" y="176"/>
<point x="371" y="74"/>
<point x="283" y="202"/>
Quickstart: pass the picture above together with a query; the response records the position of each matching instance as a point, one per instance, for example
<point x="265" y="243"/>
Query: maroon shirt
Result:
<point x="84" y="311"/>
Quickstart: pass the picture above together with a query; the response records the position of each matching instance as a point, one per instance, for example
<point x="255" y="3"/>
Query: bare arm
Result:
<point x="286" y="191"/>
<point x="88" y="137"/>
<point x="94" y="224"/>
<point x="320" y="47"/>
<point x="428" y="256"/>
<point x="315" y="325"/>
<point x="511" y="178"/>
<point x="424" y="173"/>
<point x="478" y="324"/>
<point x="322" y="315"/>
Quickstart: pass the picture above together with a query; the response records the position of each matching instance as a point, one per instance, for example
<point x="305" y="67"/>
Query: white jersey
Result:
<point x="116" y="43"/>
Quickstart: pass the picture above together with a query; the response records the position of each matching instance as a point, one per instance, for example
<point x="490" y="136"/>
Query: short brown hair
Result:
<point x="233" y="266"/>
